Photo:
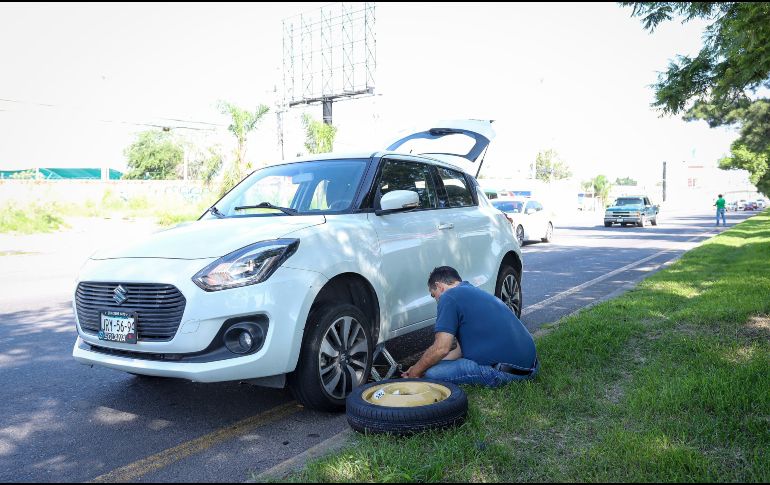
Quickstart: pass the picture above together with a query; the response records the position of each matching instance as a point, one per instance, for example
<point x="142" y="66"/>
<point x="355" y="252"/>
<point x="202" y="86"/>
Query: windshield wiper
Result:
<point x="213" y="209"/>
<point x="268" y="205"/>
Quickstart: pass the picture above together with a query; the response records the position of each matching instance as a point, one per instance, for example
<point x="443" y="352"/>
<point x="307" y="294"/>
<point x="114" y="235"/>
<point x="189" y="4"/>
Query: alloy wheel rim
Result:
<point x="343" y="356"/>
<point x="511" y="294"/>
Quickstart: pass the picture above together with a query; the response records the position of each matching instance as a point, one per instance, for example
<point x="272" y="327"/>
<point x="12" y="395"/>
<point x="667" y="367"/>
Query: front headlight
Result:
<point x="246" y="266"/>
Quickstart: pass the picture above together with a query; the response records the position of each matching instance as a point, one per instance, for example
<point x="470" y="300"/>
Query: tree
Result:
<point x="549" y="167"/>
<point x="625" y="181"/>
<point x="751" y="151"/>
<point x="154" y="155"/>
<point x="242" y="122"/>
<point x="205" y="164"/>
<point x="602" y="187"/>
<point x="734" y="60"/>
<point x="319" y="137"/>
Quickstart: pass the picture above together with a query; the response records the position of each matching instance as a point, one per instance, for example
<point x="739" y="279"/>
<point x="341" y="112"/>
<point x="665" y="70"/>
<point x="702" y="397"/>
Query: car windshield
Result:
<point x="508" y="205"/>
<point x="629" y="201"/>
<point x="303" y="188"/>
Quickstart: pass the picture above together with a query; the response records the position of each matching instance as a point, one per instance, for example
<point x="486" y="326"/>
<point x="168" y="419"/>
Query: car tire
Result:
<point x="323" y="380"/>
<point x="654" y="221"/>
<point x="643" y="222"/>
<point x="520" y="235"/>
<point x="548" y="233"/>
<point x="607" y="224"/>
<point x="366" y="416"/>
<point x="508" y="289"/>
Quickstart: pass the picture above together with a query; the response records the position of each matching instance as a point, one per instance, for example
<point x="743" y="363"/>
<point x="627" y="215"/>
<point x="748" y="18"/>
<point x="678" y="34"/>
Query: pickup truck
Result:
<point x="637" y="210"/>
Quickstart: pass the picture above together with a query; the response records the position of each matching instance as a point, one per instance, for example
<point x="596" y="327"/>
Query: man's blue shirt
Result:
<point x="487" y="330"/>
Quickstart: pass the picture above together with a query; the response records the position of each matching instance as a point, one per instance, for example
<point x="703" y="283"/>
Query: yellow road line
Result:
<point x="135" y="470"/>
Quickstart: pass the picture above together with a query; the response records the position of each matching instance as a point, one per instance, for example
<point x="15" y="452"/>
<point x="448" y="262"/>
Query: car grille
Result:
<point x="159" y="307"/>
<point x="622" y="214"/>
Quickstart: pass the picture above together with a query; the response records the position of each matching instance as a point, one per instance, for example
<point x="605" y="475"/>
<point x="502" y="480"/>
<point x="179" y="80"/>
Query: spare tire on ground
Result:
<point x="406" y="406"/>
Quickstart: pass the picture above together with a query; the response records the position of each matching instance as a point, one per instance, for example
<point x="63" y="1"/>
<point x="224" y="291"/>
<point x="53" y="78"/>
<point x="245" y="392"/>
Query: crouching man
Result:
<point x="493" y="346"/>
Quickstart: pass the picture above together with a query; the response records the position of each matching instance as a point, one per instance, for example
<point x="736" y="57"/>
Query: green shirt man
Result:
<point x="720" y="205"/>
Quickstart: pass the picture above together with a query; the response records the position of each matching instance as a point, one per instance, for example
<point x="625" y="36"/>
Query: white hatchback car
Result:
<point x="529" y="219"/>
<point x="299" y="272"/>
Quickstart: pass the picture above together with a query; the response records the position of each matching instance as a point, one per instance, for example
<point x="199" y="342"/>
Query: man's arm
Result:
<point x="455" y="353"/>
<point x="435" y="354"/>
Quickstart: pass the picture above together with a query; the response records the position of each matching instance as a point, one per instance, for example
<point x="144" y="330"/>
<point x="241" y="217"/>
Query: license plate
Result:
<point x="118" y="327"/>
<point x="620" y="219"/>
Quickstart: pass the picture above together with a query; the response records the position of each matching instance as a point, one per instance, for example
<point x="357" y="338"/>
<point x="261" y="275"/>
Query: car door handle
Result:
<point x="442" y="227"/>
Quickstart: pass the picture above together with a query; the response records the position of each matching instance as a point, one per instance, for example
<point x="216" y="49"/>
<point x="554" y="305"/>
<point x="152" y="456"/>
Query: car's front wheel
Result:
<point x="508" y="288"/>
<point x="336" y="357"/>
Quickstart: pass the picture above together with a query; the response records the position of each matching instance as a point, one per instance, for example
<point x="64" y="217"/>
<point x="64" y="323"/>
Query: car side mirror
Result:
<point x="398" y="200"/>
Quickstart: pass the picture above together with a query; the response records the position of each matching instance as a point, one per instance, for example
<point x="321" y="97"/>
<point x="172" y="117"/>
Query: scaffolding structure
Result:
<point x="329" y="55"/>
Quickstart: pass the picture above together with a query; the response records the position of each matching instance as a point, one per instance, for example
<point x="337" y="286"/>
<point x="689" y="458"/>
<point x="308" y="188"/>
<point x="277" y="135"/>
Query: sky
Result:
<point x="78" y="81"/>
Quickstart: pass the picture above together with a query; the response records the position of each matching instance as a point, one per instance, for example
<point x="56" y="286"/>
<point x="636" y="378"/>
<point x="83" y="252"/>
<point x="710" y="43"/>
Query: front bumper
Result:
<point x="284" y="300"/>
<point x="623" y="219"/>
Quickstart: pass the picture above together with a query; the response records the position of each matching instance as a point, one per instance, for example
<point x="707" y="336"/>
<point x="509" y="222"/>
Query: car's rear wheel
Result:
<point x="508" y="288"/>
<point x="548" y="233"/>
<point x="336" y="357"/>
<point x="520" y="235"/>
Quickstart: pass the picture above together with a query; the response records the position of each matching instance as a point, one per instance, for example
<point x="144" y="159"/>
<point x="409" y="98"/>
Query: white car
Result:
<point x="529" y="220"/>
<point x="299" y="273"/>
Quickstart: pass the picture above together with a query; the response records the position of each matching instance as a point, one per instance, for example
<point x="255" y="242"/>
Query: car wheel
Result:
<point x="607" y="224"/>
<point x="508" y="289"/>
<point x="520" y="235"/>
<point x="548" y="233"/>
<point x="654" y="221"/>
<point x="643" y="222"/>
<point x="336" y="357"/>
<point x="406" y="406"/>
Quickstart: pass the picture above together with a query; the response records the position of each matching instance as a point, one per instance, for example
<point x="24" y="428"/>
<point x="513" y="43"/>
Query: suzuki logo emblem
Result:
<point x="120" y="295"/>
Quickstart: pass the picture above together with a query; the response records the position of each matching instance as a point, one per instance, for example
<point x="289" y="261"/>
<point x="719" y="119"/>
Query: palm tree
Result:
<point x="242" y="122"/>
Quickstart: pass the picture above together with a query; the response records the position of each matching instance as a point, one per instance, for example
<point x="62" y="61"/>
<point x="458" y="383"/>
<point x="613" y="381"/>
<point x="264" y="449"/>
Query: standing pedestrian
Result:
<point x="720" y="205"/>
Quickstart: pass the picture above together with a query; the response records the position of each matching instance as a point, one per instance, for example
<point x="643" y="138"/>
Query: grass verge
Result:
<point x="669" y="382"/>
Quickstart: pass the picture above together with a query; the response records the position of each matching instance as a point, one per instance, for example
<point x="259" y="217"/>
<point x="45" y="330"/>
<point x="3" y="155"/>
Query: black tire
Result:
<point x="548" y="233"/>
<point x="306" y="383"/>
<point x="607" y="224"/>
<point x="622" y="224"/>
<point x="520" y="235"/>
<point x="513" y="294"/>
<point x="654" y="221"/>
<point x="366" y="417"/>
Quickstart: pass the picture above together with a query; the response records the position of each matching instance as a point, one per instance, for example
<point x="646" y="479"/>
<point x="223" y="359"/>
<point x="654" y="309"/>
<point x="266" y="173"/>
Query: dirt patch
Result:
<point x="757" y="328"/>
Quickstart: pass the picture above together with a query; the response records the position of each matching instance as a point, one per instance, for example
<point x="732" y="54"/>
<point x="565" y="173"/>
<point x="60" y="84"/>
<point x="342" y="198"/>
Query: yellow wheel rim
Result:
<point x="406" y="394"/>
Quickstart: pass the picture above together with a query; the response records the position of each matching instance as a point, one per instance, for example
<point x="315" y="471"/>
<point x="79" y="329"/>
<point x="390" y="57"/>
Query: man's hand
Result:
<point x="411" y="373"/>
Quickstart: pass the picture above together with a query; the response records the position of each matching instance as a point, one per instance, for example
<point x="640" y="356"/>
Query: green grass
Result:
<point x="34" y="218"/>
<point x="38" y="217"/>
<point x="669" y="382"/>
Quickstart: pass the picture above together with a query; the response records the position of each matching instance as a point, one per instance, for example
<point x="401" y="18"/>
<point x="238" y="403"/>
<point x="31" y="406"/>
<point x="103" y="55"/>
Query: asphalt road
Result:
<point x="62" y="421"/>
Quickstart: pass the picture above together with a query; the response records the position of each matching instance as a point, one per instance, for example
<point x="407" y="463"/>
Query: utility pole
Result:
<point x="664" y="181"/>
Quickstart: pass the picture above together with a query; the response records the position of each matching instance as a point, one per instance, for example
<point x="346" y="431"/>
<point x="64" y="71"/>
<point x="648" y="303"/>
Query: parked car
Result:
<point x="761" y="204"/>
<point x="731" y="206"/>
<point x="529" y="220"/>
<point x="751" y="205"/>
<point x="299" y="273"/>
<point x="637" y="210"/>
<point x="741" y="205"/>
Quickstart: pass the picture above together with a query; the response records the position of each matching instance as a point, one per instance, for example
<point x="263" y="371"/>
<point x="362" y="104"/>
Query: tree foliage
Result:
<point x="751" y="150"/>
<point x="319" y="137"/>
<point x="154" y="155"/>
<point x="734" y="59"/>
<point x="602" y="186"/>
<point x="548" y="166"/>
<point x="242" y="122"/>
<point x="625" y="181"/>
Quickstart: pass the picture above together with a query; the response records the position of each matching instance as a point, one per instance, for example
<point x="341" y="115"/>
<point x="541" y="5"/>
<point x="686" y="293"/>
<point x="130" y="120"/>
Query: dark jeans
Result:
<point x="464" y="371"/>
